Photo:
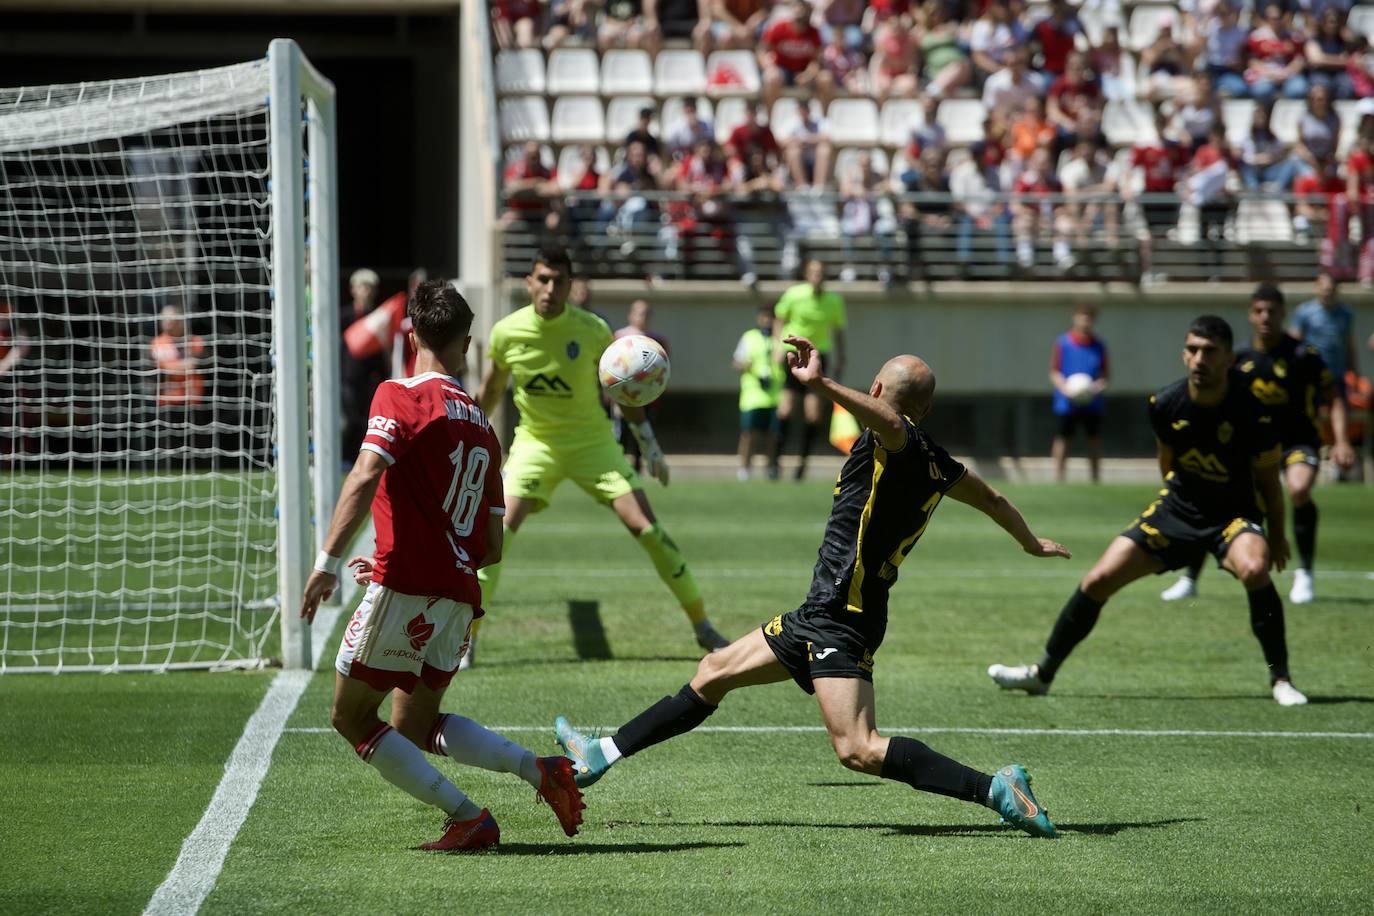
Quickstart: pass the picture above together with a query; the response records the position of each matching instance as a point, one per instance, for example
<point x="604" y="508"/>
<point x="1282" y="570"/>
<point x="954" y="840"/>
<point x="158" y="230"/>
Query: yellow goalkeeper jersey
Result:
<point x="553" y="363"/>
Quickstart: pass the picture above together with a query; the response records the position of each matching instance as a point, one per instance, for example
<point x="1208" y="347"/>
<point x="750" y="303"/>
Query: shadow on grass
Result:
<point x="1329" y="701"/>
<point x="847" y="785"/>
<point x="572" y="661"/>
<point x="592" y="849"/>
<point x="930" y="830"/>
<point x="1255" y="697"/>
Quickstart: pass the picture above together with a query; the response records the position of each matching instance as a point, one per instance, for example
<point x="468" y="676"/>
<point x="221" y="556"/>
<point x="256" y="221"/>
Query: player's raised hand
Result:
<point x="318" y="587"/>
<point x="362" y="569"/>
<point x="805" y="363"/>
<point x="1044" y="547"/>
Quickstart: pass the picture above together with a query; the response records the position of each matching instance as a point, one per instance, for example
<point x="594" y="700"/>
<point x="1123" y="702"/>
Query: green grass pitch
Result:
<point x="105" y="775"/>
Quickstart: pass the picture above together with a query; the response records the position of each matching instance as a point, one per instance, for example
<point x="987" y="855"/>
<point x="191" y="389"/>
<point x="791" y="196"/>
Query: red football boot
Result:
<point x="559" y="789"/>
<point x="467" y="836"/>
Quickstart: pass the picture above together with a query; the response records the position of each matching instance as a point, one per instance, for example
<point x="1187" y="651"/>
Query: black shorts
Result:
<point x="811" y="643"/>
<point x="759" y="420"/>
<point x="1069" y="423"/>
<point x="1303" y="453"/>
<point x="1159" y="217"/>
<point x="1176" y="542"/>
<point x="791" y="384"/>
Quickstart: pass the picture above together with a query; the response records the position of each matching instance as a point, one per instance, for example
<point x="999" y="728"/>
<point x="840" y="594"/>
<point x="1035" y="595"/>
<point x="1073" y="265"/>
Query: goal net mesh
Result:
<point x="138" y="501"/>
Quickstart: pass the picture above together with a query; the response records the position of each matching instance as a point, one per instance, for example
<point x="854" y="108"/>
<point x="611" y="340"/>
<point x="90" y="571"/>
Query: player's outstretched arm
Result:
<point x="887" y="424"/>
<point x="1266" y="469"/>
<point x="355" y="501"/>
<point x="973" y="491"/>
<point x="492" y="387"/>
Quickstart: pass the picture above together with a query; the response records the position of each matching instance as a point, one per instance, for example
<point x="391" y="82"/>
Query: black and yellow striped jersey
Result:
<point x="883" y="502"/>
<point x="1292" y="381"/>
<point x="1215" y="448"/>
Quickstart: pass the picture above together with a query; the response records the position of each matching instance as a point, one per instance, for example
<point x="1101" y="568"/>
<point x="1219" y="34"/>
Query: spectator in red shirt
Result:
<point x="790" y="55"/>
<point x="1205" y="188"/>
<point x="1276" y="59"/>
<point x="1035" y="201"/>
<point x="1055" y="36"/>
<point x="1359" y="172"/>
<point x="1160" y="163"/>
<point x="1075" y="102"/>
<point x="894" y="61"/>
<point x="752" y="136"/>
<point x="528" y="185"/>
<point x="517" y="22"/>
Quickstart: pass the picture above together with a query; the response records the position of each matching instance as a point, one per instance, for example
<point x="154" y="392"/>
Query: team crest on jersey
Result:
<point x="573" y="349"/>
<point x="1280" y="368"/>
<point x="419" y="630"/>
<point x="1224" y="432"/>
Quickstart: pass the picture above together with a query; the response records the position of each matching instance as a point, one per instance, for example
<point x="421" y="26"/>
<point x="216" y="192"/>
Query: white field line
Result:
<point x="952" y="730"/>
<point x="202" y="854"/>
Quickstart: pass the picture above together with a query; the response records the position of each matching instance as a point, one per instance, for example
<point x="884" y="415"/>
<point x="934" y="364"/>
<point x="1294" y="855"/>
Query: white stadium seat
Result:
<point x="523" y="117"/>
<point x="1362" y="20"/>
<point x="1129" y="123"/>
<point x="1349" y="112"/>
<point x="962" y="120"/>
<point x="574" y="71"/>
<point x="898" y="119"/>
<point x="1146" y="23"/>
<point x="670" y="116"/>
<point x="578" y="119"/>
<point x="623" y="113"/>
<point x="679" y="73"/>
<point x="741" y="68"/>
<point x="1237" y="115"/>
<point x="626" y="71"/>
<point x="853" y="122"/>
<point x="520" y="71"/>
<point x="1285" y="117"/>
<point x="729" y="115"/>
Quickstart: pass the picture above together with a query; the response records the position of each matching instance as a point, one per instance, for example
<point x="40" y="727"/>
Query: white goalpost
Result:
<point x="169" y="418"/>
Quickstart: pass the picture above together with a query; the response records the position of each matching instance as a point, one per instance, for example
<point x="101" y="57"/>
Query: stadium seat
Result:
<point x="568" y="164"/>
<point x="732" y="73"/>
<point x="573" y="71"/>
<point x="1361" y="20"/>
<point x="729" y="115"/>
<point x="1146" y="23"/>
<point x="626" y="72"/>
<point x="962" y="120"/>
<point x="1237" y="115"/>
<point x="623" y="113"/>
<point x="853" y="122"/>
<point x="523" y="117"/>
<point x="578" y="119"/>
<point x="1349" y="112"/>
<point x="520" y="71"/>
<point x="679" y="73"/>
<point x="670" y="115"/>
<point x="1129" y="123"/>
<point x="1263" y="221"/>
<point x="1285" y="117"/>
<point x="784" y="117"/>
<point x="898" y="119"/>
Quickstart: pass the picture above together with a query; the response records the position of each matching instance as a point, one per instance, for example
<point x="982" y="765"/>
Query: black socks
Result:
<point x="1266" y="620"/>
<point x="1075" y="622"/>
<point x="915" y="764"/>
<point x="668" y="718"/>
<point x="1305" y="533"/>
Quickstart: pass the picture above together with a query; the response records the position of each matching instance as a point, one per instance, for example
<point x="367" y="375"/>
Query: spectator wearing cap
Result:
<point x="790" y="55"/>
<point x="944" y="65"/>
<point x="1277" y="64"/>
<point x="691" y="131"/>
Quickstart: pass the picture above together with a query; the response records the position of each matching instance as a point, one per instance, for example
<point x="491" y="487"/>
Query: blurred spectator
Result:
<point x="691" y="131"/>
<point x="359" y="377"/>
<point x="880" y="11"/>
<point x="1264" y="159"/>
<point x="1159" y="165"/>
<point x="583" y="176"/>
<point x="1359" y="172"/>
<point x="1055" y="35"/>
<point x="1319" y="129"/>
<point x="865" y="212"/>
<point x="643" y="134"/>
<point x="1031" y="131"/>
<point x="1006" y="92"/>
<point x="731" y="24"/>
<point x="516" y="23"/>
<point x="1111" y="64"/>
<point x="1083" y="177"/>
<point x="925" y="175"/>
<point x="751" y="136"/>
<point x="790" y="55"/>
<point x="894" y="61"/>
<point x="757" y="174"/>
<point x="1360" y="68"/>
<point x="623" y="211"/>
<point x="760" y="384"/>
<point x="1079" y="351"/>
<point x="845" y="65"/>
<point x="1075" y="102"/>
<point x="1035" y="206"/>
<point x="571" y="19"/>
<point x="973" y="186"/>
<point x="993" y="37"/>
<point x="1224" y="46"/>
<point x="808" y="151"/>
<point x="930" y="133"/>
<point x="1276" y="60"/>
<point x="844" y="17"/>
<point x="944" y="65"/>
<point x="680" y="19"/>
<point x="1196" y="113"/>
<point x="1328" y="55"/>
<point x="1205" y="188"/>
<point x="629" y="24"/>
<point x="179" y="357"/>
<point x="705" y="218"/>
<point x="1166" y="66"/>
<point x="1315" y="192"/>
<point x="637" y="320"/>
<point x="1327" y="323"/>
<point x="529" y="187"/>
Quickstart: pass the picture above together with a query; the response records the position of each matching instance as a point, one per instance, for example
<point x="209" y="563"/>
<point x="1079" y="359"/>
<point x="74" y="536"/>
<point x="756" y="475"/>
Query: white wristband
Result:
<point x="326" y="564"/>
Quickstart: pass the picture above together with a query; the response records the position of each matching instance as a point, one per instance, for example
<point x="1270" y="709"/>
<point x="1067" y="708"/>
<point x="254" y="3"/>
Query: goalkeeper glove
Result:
<point x="651" y="450"/>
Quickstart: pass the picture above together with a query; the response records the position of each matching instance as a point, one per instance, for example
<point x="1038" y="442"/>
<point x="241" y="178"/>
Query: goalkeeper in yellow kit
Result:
<point x="551" y="349"/>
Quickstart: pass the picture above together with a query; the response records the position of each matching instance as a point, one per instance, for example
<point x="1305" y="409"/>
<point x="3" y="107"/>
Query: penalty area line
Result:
<point x="954" y="730"/>
<point x="204" y="850"/>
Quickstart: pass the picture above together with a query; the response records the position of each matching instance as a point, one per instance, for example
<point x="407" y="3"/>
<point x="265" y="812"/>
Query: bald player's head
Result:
<point x="907" y="383"/>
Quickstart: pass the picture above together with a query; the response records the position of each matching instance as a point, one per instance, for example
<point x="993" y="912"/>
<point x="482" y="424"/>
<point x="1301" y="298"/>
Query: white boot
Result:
<point x="1302" y="587"/>
<point x="1185" y="587"/>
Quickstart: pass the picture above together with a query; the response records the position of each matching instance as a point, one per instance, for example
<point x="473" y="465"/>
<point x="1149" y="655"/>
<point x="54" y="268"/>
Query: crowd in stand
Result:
<point x="1044" y="86"/>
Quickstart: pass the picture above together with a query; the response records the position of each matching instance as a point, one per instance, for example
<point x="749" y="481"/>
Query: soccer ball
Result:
<point x="1079" y="388"/>
<point x="634" y="370"/>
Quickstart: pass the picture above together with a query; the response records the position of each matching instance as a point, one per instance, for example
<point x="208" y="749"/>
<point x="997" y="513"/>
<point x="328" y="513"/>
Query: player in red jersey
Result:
<point x="429" y="471"/>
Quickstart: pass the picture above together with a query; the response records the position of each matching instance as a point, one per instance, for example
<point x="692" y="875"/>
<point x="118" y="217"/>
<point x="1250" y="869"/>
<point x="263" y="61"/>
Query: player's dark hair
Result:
<point x="556" y="258"/>
<point x="1268" y="292"/>
<point x="1214" y="329"/>
<point x="439" y="314"/>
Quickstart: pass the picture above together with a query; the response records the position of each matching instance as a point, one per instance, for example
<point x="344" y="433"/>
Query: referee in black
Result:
<point x="887" y="492"/>
<point x="1218" y="447"/>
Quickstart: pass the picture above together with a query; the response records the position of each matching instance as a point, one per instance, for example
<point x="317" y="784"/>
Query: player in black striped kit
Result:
<point x="887" y="492"/>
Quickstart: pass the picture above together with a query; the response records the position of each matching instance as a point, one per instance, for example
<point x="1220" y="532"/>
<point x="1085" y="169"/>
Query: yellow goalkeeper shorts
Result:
<point x="534" y="469"/>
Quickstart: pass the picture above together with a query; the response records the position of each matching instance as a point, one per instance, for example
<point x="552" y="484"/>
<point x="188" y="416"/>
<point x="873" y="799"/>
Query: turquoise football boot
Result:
<point x="589" y="764"/>
<point x="1011" y="797"/>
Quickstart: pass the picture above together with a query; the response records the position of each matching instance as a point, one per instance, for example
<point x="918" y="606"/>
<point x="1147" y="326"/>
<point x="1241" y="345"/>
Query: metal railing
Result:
<point x="935" y="237"/>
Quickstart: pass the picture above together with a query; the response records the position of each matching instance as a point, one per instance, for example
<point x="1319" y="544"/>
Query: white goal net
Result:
<point x="154" y="499"/>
